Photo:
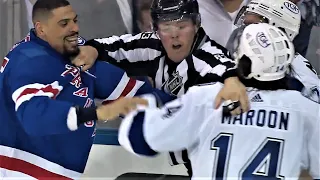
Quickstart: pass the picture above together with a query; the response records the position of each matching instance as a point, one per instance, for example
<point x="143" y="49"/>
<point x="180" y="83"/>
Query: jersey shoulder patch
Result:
<point x="81" y="41"/>
<point x="4" y="64"/>
<point x="305" y="62"/>
<point x="312" y="94"/>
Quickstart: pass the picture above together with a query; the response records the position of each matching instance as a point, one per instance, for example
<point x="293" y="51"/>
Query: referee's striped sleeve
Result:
<point x="213" y="60"/>
<point x="131" y="48"/>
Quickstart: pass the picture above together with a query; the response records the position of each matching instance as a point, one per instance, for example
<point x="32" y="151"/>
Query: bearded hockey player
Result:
<point x="47" y="105"/>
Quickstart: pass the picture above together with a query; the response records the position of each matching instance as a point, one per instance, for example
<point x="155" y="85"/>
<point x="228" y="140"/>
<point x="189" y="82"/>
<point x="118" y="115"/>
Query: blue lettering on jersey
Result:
<point x="260" y="118"/>
<point x="171" y="110"/>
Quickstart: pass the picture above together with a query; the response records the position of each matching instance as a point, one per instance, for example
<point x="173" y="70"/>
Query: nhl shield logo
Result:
<point x="174" y="83"/>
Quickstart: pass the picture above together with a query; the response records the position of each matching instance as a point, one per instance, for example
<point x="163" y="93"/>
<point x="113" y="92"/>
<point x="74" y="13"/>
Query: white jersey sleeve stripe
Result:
<point x="136" y="55"/>
<point x="127" y="87"/>
<point x="25" y="93"/>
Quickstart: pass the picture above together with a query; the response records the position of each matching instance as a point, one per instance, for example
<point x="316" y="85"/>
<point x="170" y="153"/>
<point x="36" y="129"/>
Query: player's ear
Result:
<point x="39" y="28"/>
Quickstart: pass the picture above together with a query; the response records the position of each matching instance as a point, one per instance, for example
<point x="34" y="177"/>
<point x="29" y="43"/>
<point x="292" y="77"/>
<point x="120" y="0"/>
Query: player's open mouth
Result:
<point x="72" y="40"/>
<point x="176" y="46"/>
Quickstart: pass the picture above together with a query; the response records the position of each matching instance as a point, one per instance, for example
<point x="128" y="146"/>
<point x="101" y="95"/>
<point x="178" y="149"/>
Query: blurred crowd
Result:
<point x="218" y="20"/>
<point x="217" y="16"/>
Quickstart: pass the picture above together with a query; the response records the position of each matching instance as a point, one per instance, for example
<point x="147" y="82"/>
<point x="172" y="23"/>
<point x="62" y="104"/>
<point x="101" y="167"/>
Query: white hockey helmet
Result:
<point x="280" y="13"/>
<point x="269" y="50"/>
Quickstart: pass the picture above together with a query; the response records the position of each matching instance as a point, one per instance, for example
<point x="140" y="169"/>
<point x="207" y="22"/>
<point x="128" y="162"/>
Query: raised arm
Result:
<point x="133" y="53"/>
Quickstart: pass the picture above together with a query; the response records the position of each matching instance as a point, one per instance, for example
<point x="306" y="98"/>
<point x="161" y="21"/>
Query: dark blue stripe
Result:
<point x="295" y="84"/>
<point x="136" y="138"/>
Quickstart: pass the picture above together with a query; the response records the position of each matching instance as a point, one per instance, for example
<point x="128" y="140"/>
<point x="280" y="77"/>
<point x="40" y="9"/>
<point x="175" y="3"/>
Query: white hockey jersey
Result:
<point x="307" y="75"/>
<point x="304" y="71"/>
<point x="277" y="138"/>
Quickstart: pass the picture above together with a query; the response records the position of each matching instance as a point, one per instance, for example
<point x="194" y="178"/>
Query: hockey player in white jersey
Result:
<point x="285" y="15"/>
<point x="276" y="139"/>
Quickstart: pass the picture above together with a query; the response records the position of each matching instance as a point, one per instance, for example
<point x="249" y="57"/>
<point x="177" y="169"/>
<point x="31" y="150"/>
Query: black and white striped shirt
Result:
<point x="143" y="55"/>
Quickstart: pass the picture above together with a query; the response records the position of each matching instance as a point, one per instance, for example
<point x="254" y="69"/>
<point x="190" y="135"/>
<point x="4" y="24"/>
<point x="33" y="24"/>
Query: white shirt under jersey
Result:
<point x="277" y="138"/>
<point x="216" y="21"/>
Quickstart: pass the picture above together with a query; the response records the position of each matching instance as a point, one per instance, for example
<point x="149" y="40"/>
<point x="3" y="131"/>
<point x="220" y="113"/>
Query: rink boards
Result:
<point x="108" y="160"/>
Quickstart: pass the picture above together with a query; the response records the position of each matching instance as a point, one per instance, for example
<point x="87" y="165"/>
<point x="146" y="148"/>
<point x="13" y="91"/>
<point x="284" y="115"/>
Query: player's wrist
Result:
<point x="100" y="113"/>
<point x="231" y="74"/>
<point x="86" y="114"/>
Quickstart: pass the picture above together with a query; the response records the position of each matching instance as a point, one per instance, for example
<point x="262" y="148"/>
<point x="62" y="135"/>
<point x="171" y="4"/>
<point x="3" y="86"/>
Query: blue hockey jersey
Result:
<point x="38" y="86"/>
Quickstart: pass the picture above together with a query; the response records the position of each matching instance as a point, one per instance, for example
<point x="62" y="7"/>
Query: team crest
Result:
<point x="174" y="83"/>
<point x="81" y="41"/>
<point x="262" y="40"/>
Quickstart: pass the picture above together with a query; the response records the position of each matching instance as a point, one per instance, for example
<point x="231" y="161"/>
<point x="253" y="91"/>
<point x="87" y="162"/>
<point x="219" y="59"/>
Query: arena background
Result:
<point x="102" y="18"/>
<point x="98" y="18"/>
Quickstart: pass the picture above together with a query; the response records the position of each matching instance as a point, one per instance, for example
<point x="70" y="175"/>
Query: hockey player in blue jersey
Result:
<point x="47" y="105"/>
<point x="276" y="139"/>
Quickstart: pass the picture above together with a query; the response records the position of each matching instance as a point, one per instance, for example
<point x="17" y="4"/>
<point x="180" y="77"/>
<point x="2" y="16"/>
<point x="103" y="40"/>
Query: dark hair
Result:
<point x="174" y="9"/>
<point x="43" y="8"/>
<point x="244" y="69"/>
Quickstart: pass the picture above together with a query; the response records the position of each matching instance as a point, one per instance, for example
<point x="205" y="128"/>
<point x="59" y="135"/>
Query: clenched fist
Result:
<point x="123" y="106"/>
<point x="234" y="91"/>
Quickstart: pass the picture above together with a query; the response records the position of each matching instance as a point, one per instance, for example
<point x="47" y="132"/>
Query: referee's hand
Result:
<point x="86" y="58"/>
<point x="234" y="91"/>
<point x="120" y="107"/>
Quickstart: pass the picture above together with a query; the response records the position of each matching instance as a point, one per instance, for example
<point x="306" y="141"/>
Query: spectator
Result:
<point x="218" y="17"/>
<point x="144" y="18"/>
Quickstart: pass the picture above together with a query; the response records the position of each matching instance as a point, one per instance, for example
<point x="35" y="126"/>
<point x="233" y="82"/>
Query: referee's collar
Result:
<point x="200" y="38"/>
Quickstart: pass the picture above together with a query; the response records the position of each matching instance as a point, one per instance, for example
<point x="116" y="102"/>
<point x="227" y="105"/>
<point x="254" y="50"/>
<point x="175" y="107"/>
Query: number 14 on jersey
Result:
<point x="265" y="162"/>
